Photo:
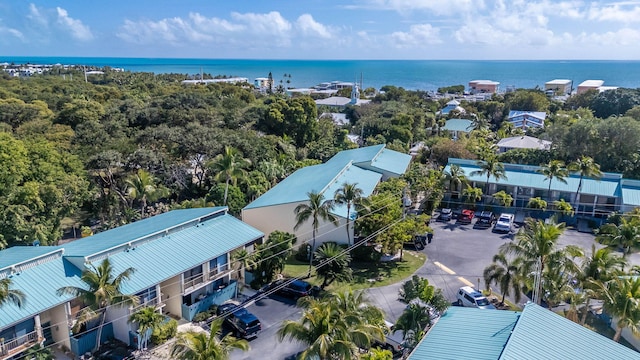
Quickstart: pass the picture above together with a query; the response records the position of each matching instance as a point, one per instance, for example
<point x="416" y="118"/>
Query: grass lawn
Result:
<point x="365" y="274"/>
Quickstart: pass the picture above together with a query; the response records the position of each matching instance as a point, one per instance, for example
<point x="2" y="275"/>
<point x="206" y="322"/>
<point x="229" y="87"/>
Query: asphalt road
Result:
<point x="456" y="257"/>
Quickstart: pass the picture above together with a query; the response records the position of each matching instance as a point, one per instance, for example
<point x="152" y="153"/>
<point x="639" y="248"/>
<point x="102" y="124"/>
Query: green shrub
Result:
<point x="164" y="332"/>
<point x="201" y="316"/>
<point x="365" y="254"/>
<point x="302" y="254"/>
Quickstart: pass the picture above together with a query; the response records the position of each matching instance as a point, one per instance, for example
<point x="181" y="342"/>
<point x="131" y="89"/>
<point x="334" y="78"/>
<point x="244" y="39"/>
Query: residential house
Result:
<point x="597" y="197"/>
<point x="534" y="333"/>
<point x="483" y="86"/>
<point x="589" y="85"/>
<point x="559" y="86"/>
<point x="182" y="266"/>
<point x="527" y="119"/>
<point x="453" y="105"/>
<point x="522" y="142"/>
<point x="457" y="127"/>
<point x="366" y="167"/>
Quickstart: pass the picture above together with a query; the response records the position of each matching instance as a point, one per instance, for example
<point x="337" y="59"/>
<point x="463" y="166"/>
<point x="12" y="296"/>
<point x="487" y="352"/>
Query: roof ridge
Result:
<point x="23" y="265"/>
<point x="335" y="178"/>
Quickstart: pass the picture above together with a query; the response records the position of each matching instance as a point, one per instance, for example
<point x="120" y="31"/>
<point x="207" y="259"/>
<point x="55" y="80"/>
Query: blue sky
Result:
<point x="330" y="29"/>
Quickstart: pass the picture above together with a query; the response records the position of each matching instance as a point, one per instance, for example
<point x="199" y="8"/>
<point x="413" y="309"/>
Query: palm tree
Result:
<point x="103" y="289"/>
<point x="563" y="207"/>
<point x="413" y="321"/>
<point x="148" y="319"/>
<point x="490" y="166"/>
<point x="39" y="352"/>
<point x="584" y="166"/>
<point x="622" y="301"/>
<point x="315" y="209"/>
<point x="625" y="236"/>
<point x="351" y="195"/>
<point x="505" y="274"/>
<point x="242" y="260"/>
<point x="13" y="296"/>
<point x="142" y="186"/>
<point x="503" y="198"/>
<point x="333" y="264"/>
<point x="202" y="346"/>
<point x="537" y="203"/>
<point x="323" y="329"/>
<point x="456" y="178"/>
<point x="597" y="268"/>
<point x="229" y="166"/>
<point x="554" y="169"/>
<point x="377" y="354"/>
<point x="536" y="248"/>
<point x="472" y="194"/>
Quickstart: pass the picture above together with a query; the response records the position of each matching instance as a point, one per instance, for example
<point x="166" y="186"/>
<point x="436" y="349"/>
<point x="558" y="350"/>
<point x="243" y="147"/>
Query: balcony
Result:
<point x="155" y="303"/>
<point x="217" y="273"/>
<point x="193" y="282"/>
<point x="217" y="297"/>
<point x="16" y="346"/>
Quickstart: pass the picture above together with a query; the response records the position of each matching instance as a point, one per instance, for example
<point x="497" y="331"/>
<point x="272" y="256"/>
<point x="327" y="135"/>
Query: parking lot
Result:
<point x="457" y="257"/>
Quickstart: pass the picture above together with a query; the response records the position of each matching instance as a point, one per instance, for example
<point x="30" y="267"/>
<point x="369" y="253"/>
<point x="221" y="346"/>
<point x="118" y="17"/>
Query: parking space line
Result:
<point x="444" y="268"/>
<point x="465" y="281"/>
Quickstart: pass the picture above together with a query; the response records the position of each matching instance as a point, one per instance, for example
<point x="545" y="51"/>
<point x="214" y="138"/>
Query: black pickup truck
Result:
<point x="243" y="323"/>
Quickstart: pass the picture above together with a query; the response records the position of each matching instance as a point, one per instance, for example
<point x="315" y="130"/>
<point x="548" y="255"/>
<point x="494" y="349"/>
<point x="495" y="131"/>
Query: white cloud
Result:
<point x="11" y="31"/>
<point x="36" y="16"/>
<point x="75" y="27"/>
<point x="437" y="7"/>
<point x="616" y="12"/>
<point x="622" y="37"/>
<point x="308" y="26"/>
<point x="418" y="35"/>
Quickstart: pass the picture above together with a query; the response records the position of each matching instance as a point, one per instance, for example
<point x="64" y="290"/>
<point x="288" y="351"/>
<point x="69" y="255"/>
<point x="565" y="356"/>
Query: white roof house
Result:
<point x="339" y="119"/>
<point x="523" y="142"/>
<point x="527" y="119"/>
<point x="451" y="106"/>
<point x="589" y="85"/>
<point x="562" y="86"/>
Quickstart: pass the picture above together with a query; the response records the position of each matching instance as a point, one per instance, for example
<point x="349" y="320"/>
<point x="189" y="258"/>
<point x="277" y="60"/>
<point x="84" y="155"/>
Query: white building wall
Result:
<point x="59" y="325"/>
<point x="282" y="217"/>
<point x="172" y="295"/>
<point x="119" y="316"/>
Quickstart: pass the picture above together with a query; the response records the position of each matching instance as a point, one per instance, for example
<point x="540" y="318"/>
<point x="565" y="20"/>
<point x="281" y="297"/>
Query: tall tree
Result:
<point x="413" y="322"/>
<point x="490" y="166"/>
<point x="472" y="194"/>
<point x="597" y="268"/>
<point x="316" y="209"/>
<point x="503" y="198"/>
<point x="585" y="166"/>
<point x="456" y="178"/>
<point x="143" y="187"/>
<point x="554" y="169"/>
<point x="229" y="166"/>
<point x="503" y="273"/>
<point x="622" y="301"/>
<point x="333" y="264"/>
<point x="193" y="345"/>
<point x="10" y="295"/>
<point x="352" y="196"/>
<point x="148" y="319"/>
<point x="103" y="289"/>
<point x="625" y="236"/>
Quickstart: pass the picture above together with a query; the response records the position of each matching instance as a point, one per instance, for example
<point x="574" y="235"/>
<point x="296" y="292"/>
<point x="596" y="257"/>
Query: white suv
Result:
<point x="470" y="297"/>
<point x="504" y="223"/>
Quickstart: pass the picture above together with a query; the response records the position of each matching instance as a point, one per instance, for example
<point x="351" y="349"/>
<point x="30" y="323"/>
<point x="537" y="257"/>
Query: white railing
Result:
<point x="24" y="341"/>
<point x="155" y="302"/>
<point x="218" y="272"/>
<point x="194" y="281"/>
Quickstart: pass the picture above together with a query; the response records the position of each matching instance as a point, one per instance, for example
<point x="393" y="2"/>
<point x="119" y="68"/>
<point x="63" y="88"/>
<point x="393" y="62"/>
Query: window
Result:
<point x="469" y="298"/>
<point x="193" y="277"/>
<point x="146" y="296"/>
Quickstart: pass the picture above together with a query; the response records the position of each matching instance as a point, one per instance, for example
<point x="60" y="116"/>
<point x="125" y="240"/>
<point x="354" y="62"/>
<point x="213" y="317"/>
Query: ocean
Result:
<point x="425" y="75"/>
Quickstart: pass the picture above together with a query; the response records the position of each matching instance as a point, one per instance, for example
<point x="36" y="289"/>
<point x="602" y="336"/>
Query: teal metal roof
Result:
<point x="366" y="180"/>
<point x="467" y="333"/>
<point x="121" y="235"/>
<point x="171" y="255"/>
<point x="363" y="166"/>
<point x="543" y="334"/>
<point x="526" y="176"/>
<point x="39" y="285"/>
<point x="463" y="125"/>
<point x="18" y="254"/>
<point x="630" y="195"/>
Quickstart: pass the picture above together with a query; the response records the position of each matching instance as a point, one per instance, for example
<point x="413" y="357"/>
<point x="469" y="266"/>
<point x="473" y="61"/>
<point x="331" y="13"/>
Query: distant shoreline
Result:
<point x="410" y="74"/>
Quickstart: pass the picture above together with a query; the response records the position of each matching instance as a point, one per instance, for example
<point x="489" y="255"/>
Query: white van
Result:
<point x="470" y="297"/>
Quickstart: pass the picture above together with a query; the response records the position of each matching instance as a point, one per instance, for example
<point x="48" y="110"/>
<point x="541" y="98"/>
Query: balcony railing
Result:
<point x="18" y="345"/>
<point x="155" y="302"/>
<point x="218" y="272"/>
<point x="194" y="281"/>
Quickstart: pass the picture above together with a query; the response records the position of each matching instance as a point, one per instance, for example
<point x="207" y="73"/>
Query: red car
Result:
<point x="466" y="216"/>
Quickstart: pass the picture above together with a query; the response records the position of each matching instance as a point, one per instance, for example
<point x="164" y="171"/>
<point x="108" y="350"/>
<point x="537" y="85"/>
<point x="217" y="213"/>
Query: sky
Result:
<point x="328" y="29"/>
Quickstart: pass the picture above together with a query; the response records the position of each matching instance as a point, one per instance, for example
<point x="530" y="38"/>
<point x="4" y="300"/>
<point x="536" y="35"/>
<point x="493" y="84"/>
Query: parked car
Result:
<point x="485" y="220"/>
<point x="445" y="215"/>
<point x="470" y="297"/>
<point x="466" y="216"/>
<point x="504" y="223"/>
<point x="243" y="323"/>
<point x="392" y="341"/>
<point x="294" y="289"/>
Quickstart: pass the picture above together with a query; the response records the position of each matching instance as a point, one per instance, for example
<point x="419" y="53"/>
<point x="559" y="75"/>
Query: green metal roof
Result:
<point x="527" y="176"/>
<point x="467" y="333"/>
<point x="171" y="255"/>
<point x="121" y="235"/>
<point x="630" y="192"/>
<point x="363" y="166"/>
<point x="17" y="254"/>
<point x="463" y="125"/>
<point x="543" y="334"/>
<point x="39" y="285"/>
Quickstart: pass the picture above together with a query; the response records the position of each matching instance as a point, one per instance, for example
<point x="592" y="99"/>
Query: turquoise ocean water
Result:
<point x="410" y="74"/>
